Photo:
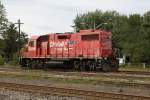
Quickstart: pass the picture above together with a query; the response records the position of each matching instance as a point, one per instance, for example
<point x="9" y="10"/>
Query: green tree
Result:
<point x="3" y="19"/>
<point x="12" y="42"/>
<point x="134" y="42"/>
<point x="109" y="20"/>
<point x="146" y="28"/>
<point x="3" y="26"/>
<point x="96" y="19"/>
<point x="131" y="34"/>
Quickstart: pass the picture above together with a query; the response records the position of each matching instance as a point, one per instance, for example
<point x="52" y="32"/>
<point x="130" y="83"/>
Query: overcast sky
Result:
<point x="45" y="16"/>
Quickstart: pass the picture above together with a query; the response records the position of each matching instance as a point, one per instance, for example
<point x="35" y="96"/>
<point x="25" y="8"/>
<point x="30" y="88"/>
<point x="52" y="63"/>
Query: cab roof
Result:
<point x="35" y="37"/>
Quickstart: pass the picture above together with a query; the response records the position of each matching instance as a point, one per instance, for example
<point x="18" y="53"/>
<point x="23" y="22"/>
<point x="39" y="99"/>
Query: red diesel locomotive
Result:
<point x="84" y="50"/>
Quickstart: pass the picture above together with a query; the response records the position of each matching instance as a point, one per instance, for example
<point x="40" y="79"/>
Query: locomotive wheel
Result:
<point x="76" y="65"/>
<point x="28" y="64"/>
<point x="106" y="68"/>
<point x="92" y="66"/>
<point x="34" y="65"/>
<point x="31" y="65"/>
<point x="44" y="65"/>
<point x="115" y="68"/>
<point x="87" y="68"/>
<point x="83" y="66"/>
<point x="39" y="65"/>
<point x="115" y="65"/>
<point x="23" y="64"/>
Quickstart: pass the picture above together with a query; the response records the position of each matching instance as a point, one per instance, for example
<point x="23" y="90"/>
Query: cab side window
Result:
<point x="90" y="37"/>
<point x="63" y="37"/>
<point x="32" y="44"/>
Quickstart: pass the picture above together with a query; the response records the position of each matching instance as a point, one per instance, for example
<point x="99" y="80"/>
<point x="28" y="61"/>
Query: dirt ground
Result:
<point x="14" y="95"/>
<point x="133" y="90"/>
<point x="59" y="82"/>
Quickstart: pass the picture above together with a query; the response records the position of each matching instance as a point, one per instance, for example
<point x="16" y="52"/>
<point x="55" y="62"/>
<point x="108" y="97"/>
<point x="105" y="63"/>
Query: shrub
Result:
<point x="2" y="60"/>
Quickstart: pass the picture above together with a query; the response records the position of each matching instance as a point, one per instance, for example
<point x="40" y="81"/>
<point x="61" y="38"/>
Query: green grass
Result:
<point x="9" y="66"/>
<point x="134" y="68"/>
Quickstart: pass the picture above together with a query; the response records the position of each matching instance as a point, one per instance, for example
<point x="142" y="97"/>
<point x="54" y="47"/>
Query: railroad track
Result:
<point x="71" y="71"/>
<point x="120" y="74"/>
<point x="87" y="95"/>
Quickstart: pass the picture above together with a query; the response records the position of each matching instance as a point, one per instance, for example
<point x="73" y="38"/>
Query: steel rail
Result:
<point x="89" y="95"/>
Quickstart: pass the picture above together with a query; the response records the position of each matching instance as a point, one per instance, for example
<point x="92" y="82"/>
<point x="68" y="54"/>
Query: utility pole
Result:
<point x="19" y="25"/>
<point x="94" y="26"/>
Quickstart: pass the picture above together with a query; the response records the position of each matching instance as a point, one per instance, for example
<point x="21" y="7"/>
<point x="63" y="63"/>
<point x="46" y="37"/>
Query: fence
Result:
<point x="136" y="65"/>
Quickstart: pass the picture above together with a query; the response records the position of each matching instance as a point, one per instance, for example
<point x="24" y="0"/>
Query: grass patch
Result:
<point x="9" y="66"/>
<point x="137" y="67"/>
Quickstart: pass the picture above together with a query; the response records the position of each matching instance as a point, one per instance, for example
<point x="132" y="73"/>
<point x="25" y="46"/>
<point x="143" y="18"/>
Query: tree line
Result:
<point x="10" y="40"/>
<point x="130" y="33"/>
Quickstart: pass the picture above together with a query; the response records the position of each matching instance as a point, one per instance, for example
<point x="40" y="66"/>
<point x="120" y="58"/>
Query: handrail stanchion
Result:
<point x="56" y="52"/>
<point x="75" y="51"/>
<point x="62" y="52"/>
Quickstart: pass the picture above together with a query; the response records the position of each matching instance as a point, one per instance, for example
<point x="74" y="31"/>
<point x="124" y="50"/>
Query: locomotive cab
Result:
<point x="29" y="49"/>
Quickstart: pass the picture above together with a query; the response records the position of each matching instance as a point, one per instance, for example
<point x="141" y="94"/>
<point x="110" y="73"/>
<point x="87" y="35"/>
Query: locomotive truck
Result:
<point x="84" y="50"/>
